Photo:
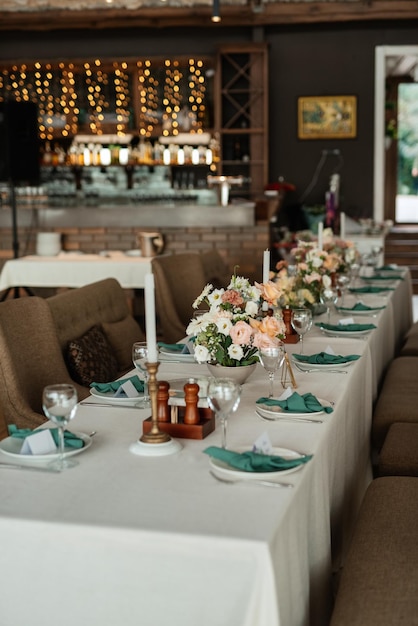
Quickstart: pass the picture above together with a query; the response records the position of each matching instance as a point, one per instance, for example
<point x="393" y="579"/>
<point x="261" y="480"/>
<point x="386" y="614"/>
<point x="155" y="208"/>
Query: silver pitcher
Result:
<point x="151" y="244"/>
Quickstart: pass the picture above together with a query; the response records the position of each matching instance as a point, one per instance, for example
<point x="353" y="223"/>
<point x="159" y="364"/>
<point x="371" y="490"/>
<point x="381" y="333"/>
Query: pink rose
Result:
<point x="262" y="340"/>
<point x="241" y="333"/>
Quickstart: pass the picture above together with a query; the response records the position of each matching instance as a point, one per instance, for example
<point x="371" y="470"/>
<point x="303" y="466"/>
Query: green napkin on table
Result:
<point x="370" y="289"/>
<point x="114" y="386"/>
<point x="254" y="461"/>
<point x="296" y="403"/>
<point x="377" y="277"/>
<point x="386" y="268"/>
<point x="323" y="358"/>
<point x="359" y="306"/>
<point x="70" y="440"/>
<point x="175" y="347"/>
<point x="350" y="328"/>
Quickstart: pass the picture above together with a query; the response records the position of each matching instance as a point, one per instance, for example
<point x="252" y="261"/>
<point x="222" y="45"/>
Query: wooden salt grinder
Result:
<point x="191" y="396"/>
<point x="163" y="412"/>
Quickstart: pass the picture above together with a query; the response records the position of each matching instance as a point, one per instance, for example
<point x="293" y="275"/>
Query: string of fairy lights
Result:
<point x="145" y="95"/>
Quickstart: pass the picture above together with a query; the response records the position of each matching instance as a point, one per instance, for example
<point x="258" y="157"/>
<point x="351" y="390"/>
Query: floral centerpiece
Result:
<point x="308" y="270"/>
<point x="234" y="328"/>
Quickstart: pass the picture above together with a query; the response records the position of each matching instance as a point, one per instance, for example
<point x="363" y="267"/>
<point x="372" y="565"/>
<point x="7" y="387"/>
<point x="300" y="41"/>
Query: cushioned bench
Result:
<point x="378" y="584"/>
<point x="398" y="398"/>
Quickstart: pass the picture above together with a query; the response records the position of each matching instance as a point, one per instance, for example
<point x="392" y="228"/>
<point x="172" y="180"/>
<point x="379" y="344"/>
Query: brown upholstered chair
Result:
<point x="104" y="304"/>
<point x="399" y="453"/>
<point x="179" y="279"/>
<point x="30" y="359"/>
<point x="378" y="581"/>
<point x="398" y="398"/>
<point x="216" y="270"/>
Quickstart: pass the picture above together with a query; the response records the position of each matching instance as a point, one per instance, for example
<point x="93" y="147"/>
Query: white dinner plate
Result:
<point x="350" y="312"/>
<point x="169" y="355"/>
<point x="11" y="446"/>
<point x="177" y="385"/>
<point x="133" y="253"/>
<point x="346" y="333"/>
<point x="274" y="412"/>
<point x="223" y="469"/>
<point x="321" y="366"/>
<point x="109" y="396"/>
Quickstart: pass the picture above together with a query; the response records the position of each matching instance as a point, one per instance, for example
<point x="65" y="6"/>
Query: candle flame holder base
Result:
<point x="155" y="442"/>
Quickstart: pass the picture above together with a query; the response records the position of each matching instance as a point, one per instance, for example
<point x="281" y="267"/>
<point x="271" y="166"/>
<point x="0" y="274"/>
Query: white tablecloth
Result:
<point x="74" y="270"/>
<point x="122" y="539"/>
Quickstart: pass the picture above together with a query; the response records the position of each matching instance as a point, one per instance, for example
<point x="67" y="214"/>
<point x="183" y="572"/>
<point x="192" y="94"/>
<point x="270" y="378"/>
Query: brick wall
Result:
<point x="240" y="246"/>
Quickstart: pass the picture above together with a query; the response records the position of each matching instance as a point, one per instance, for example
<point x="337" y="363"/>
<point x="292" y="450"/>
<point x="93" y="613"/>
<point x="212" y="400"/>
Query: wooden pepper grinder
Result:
<point x="163" y="412"/>
<point x="191" y="395"/>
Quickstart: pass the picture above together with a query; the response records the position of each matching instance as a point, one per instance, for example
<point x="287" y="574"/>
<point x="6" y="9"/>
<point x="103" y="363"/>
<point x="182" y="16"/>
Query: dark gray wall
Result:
<point x="304" y="61"/>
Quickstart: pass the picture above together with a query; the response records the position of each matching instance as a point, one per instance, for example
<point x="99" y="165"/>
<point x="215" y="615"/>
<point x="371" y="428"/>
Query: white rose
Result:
<point x="251" y="308"/>
<point x="224" y="325"/>
<point x="201" y="354"/>
<point x="326" y="281"/>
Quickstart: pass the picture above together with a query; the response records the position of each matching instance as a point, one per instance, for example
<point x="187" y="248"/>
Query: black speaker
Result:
<point x="19" y="143"/>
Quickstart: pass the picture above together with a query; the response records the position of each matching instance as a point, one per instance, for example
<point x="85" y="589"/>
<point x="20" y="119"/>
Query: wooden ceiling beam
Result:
<point x="267" y="13"/>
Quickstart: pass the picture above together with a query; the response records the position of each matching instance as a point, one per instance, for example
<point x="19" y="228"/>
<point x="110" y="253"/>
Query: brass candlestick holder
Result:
<point x="154" y="443"/>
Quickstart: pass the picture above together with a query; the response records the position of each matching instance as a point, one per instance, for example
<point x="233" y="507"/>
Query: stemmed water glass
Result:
<point x="342" y="282"/>
<point x="223" y="398"/>
<point x="301" y="321"/>
<point x="271" y="359"/>
<point x="59" y="405"/>
<point x="329" y="296"/>
<point x="139" y="359"/>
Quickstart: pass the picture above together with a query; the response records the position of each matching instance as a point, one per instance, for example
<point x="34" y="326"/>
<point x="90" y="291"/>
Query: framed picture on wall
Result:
<point x="327" y="117"/>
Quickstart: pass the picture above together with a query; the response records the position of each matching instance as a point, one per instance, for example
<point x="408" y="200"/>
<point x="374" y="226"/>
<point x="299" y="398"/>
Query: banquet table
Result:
<point x="74" y="270"/>
<point x="125" y="539"/>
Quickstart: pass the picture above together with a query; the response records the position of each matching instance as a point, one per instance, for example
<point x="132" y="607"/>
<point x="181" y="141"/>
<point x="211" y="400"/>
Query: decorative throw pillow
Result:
<point x="90" y="358"/>
<point x="121" y="335"/>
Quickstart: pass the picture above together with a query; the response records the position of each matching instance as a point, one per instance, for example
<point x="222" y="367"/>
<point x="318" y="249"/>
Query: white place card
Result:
<point x="345" y="321"/>
<point x="41" y="442"/>
<point x="262" y="444"/>
<point x="329" y="350"/>
<point x="127" y="390"/>
<point x="286" y="393"/>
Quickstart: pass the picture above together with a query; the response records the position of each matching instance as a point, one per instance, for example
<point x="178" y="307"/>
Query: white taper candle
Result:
<point x="150" y="322"/>
<point x="320" y="235"/>
<point x="342" y="226"/>
<point x="266" y="266"/>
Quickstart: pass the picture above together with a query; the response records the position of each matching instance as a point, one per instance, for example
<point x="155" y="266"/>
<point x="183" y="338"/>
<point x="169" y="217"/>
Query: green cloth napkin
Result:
<point x="359" y="306"/>
<point x="70" y="440"/>
<point x="254" y="461"/>
<point x="114" y="386"/>
<point x="349" y="328"/>
<point x="377" y="277"/>
<point x="323" y="358"/>
<point x="175" y="347"/>
<point x="307" y="403"/>
<point x="387" y="268"/>
<point x="370" y="289"/>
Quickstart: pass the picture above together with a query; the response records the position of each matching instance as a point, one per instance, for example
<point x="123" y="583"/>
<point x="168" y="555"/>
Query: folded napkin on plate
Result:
<point x="378" y="277"/>
<point x="386" y="268"/>
<point x="307" y="403"/>
<point x="323" y="358"/>
<point x="114" y="386"/>
<point x="70" y="440"/>
<point x="254" y="461"/>
<point x="359" y="306"/>
<point x="179" y="348"/>
<point x="351" y="328"/>
<point x="370" y="289"/>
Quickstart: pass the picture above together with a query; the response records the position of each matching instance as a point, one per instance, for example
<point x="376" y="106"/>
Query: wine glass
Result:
<point x="342" y="282"/>
<point x="139" y="359"/>
<point x="271" y="359"/>
<point x="301" y="321"/>
<point x="59" y="405"/>
<point x="329" y="296"/>
<point x="223" y="398"/>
